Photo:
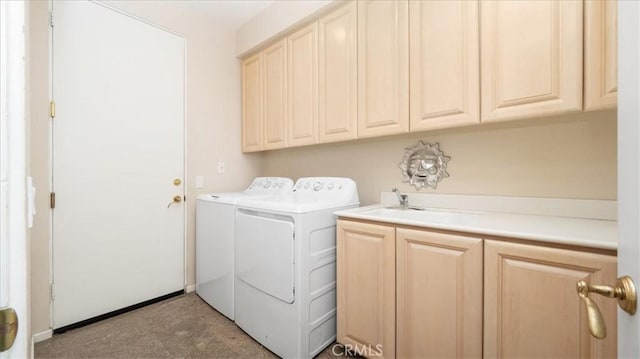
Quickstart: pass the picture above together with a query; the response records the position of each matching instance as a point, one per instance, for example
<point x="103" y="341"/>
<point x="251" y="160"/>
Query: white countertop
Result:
<point x="587" y="232"/>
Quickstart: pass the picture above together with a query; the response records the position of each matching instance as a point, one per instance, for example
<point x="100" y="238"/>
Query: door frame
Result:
<point x="51" y="140"/>
<point x="628" y="166"/>
<point x="14" y="246"/>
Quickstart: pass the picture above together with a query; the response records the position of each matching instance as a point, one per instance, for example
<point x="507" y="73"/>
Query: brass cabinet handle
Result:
<point x="176" y="199"/>
<point x="624" y="292"/>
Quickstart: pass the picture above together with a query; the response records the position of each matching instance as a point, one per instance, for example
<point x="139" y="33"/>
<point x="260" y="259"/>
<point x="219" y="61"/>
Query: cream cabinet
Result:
<point x="531" y="58"/>
<point x="600" y="54"/>
<point x="302" y="76"/>
<point x="366" y="287"/>
<point x="531" y="305"/>
<point x="444" y="62"/>
<point x="274" y="97"/>
<point x="439" y="295"/>
<point x="371" y="68"/>
<point x="337" y="92"/>
<point x="252" y="104"/>
<point x="383" y="67"/>
<point x="412" y="292"/>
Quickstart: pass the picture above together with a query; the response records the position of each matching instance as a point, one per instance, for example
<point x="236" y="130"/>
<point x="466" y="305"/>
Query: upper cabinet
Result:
<point x="444" y="63"/>
<point x="370" y="68"/>
<point x="302" y="75"/>
<point x="252" y="104"/>
<point x="383" y="67"/>
<point x="531" y="58"/>
<point x="275" y="94"/>
<point x="337" y="75"/>
<point x="600" y="54"/>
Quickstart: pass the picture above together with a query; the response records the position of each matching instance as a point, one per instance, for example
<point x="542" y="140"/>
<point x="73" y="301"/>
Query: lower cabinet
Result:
<point x="531" y="305"/>
<point x="366" y="288"/>
<point x="420" y="293"/>
<point x="439" y="295"/>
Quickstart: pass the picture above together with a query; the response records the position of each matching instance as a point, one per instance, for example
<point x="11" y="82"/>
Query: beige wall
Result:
<point x="213" y="125"/>
<point x="276" y="19"/>
<point x="563" y="157"/>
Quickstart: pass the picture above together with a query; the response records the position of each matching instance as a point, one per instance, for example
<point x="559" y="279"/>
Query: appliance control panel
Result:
<point x="270" y="185"/>
<point x="324" y="185"/>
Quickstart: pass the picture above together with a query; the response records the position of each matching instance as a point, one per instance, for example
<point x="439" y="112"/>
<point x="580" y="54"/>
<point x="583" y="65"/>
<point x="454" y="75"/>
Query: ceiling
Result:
<point x="232" y="13"/>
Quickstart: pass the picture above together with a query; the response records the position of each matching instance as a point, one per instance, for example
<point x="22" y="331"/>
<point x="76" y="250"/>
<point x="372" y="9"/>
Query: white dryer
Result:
<point x="215" y="229"/>
<point x="285" y="293"/>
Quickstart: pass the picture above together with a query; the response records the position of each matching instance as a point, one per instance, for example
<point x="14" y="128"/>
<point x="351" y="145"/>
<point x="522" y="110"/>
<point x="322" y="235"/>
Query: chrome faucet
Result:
<point x="402" y="198"/>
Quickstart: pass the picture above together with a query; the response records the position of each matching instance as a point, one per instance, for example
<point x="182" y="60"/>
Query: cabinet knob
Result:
<point x="624" y="291"/>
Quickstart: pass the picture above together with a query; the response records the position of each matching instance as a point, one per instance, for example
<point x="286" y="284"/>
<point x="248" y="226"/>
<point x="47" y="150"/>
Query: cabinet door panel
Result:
<point x="439" y="298"/>
<point x="338" y="75"/>
<point x="252" y="104"/>
<point x="366" y="287"/>
<point x="531" y="305"/>
<point x="445" y="65"/>
<point x="601" y="54"/>
<point x="531" y="58"/>
<point x="275" y="95"/>
<point x="303" y="86"/>
<point x="383" y="67"/>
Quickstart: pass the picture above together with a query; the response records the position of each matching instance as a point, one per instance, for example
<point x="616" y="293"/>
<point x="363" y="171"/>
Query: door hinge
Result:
<point x="53" y="291"/>
<point x="51" y="18"/>
<point x="53" y="200"/>
<point x="52" y="109"/>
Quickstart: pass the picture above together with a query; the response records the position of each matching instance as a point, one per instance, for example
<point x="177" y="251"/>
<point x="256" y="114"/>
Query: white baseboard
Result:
<point x="190" y="288"/>
<point x="43" y="335"/>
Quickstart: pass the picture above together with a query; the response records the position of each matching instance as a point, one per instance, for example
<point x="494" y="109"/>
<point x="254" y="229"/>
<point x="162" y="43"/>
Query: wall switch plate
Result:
<point x="221" y="167"/>
<point x="199" y="182"/>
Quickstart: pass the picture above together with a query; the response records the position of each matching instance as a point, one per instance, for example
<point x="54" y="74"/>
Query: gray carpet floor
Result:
<point x="180" y="327"/>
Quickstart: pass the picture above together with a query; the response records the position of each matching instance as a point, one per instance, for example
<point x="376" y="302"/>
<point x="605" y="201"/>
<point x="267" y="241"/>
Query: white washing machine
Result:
<point x="215" y="216"/>
<point x="285" y="287"/>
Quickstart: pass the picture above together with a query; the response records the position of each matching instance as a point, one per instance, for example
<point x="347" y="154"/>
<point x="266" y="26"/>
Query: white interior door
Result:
<point x="118" y="145"/>
<point x="629" y="167"/>
<point x="14" y="294"/>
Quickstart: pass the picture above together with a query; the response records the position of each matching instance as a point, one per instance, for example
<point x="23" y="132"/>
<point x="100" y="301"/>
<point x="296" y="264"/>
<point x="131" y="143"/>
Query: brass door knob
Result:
<point x="8" y="328"/>
<point x="176" y="199"/>
<point x="624" y="292"/>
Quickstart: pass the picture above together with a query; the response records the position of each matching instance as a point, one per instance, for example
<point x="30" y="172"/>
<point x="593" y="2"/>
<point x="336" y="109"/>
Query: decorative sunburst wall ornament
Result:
<point x="424" y="165"/>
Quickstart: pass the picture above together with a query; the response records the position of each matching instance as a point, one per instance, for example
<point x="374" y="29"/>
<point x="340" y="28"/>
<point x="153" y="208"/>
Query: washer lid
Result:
<point x="224" y="197"/>
<point x="260" y="187"/>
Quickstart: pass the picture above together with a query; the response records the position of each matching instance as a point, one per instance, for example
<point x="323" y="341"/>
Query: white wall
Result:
<point x="213" y="124"/>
